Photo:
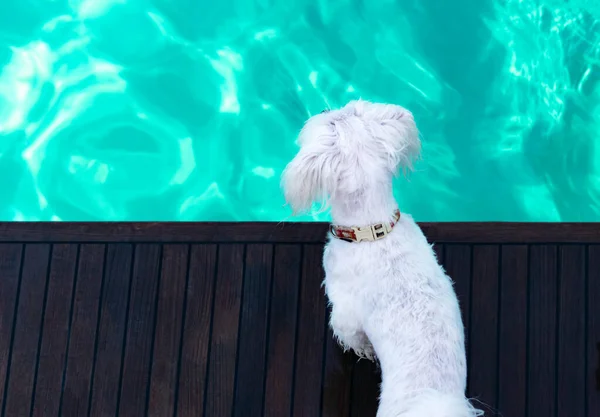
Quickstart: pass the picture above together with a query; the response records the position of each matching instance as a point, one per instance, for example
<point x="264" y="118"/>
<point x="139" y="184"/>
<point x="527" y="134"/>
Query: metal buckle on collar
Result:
<point x="380" y="231"/>
<point x="370" y="233"/>
<point x="358" y="234"/>
<point x="363" y="233"/>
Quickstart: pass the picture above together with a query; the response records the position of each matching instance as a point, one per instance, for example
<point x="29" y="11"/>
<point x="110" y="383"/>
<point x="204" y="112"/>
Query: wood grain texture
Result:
<point x="225" y="331"/>
<point x="10" y="268"/>
<point x="27" y="331"/>
<point x="82" y="340"/>
<point x="111" y="329"/>
<point x="571" y="348"/>
<point x="137" y="359"/>
<point x="592" y="310"/>
<point x="196" y="335"/>
<point x="210" y="320"/>
<point x="311" y="335"/>
<point x="282" y="335"/>
<point x="438" y="249"/>
<point x="167" y="338"/>
<point x="251" y="358"/>
<point x="542" y="341"/>
<point x="300" y="232"/>
<point x="337" y="381"/>
<point x="457" y="262"/>
<point x="512" y="347"/>
<point x="365" y="389"/>
<point x="55" y="330"/>
<point x="483" y="332"/>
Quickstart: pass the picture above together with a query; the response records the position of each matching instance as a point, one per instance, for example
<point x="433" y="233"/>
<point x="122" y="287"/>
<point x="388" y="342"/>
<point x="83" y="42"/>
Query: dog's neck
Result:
<point x="369" y="207"/>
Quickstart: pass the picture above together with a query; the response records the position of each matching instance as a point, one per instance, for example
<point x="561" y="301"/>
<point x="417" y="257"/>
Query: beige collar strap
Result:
<point x="369" y="233"/>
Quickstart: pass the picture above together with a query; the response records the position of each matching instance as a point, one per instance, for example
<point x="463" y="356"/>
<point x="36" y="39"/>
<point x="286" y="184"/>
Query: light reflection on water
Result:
<point x="188" y="110"/>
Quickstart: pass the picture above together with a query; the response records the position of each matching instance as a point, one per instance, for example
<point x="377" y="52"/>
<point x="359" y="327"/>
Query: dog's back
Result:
<point x="410" y="315"/>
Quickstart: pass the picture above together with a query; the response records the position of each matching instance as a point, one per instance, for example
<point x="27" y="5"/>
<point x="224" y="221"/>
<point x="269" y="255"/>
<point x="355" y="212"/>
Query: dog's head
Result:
<point x="345" y="152"/>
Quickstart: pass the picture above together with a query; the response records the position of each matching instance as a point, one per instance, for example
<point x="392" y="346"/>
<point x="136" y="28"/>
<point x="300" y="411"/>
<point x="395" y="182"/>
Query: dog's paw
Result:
<point x="366" y="352"/>
<point x="351" y="339"/>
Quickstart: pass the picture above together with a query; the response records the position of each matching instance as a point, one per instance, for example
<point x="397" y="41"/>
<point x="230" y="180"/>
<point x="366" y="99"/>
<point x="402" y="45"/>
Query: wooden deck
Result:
<point x="221" y="319"/>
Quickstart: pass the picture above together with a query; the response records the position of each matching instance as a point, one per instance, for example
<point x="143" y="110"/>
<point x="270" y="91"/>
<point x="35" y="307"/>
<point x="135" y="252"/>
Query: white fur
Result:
<point x="390" y="299"/>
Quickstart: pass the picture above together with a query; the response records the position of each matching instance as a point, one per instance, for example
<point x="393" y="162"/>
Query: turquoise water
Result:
<point x="188" y="109"/>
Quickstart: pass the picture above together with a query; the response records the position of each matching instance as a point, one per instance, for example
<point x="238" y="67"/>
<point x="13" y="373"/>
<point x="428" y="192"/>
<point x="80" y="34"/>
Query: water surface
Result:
<point x="188" y="109"/>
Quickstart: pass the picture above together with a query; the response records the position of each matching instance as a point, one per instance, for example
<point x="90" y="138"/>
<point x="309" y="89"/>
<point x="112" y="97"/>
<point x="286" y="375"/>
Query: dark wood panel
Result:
<point x="282" y="330"/>
<point x="300" y="232"/>
<point x="196" y="336"/>
<point x="23" y="359"/>
<point x="140" y="330"/>
<point x="457" y="262"/>
<point x="163" y="232"/>
<point x="365" y="389"/>
<point x="243" y="330"/>
<point x="111" y="330"/>
<point x="80" y="350"/>
<point x="543" y="262"/>
<point x="55" y="330"/>
<point x="10" y="267"/>
<point x="592" y="381"/>
<point x="337" y="383"/>
<point x="250" y="375"/>
<point x="224" y="343"/>
<point x="438" y="248"/>
<point x="311" y="335"/>
<point x="571" y="332"/>
<point x="512" y="347"/>
<point x="483" y="353"/>
<point x="167" y="339"/>
<point x="511" y="232"/>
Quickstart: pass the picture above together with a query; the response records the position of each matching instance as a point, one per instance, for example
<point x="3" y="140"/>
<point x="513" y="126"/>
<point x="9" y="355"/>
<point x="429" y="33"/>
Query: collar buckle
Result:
<point x="369" y="233"/>
<point x="380" y="230"/>
<point x="363" y="233"/>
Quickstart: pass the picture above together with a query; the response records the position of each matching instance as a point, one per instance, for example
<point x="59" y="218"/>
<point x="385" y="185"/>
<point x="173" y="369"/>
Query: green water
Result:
<point x="188" y="109"/>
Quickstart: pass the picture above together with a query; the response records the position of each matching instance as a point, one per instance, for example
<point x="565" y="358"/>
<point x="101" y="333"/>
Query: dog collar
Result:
<point x="369" y="233"/>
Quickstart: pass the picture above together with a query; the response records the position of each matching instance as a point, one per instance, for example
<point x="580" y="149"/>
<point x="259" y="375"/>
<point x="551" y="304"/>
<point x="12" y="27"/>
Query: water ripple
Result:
<point x="179" y="110"/>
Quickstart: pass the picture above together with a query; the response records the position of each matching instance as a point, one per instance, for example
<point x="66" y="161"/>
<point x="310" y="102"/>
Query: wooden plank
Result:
<point x="592" y="380"/>
<point x="251" y="358"/>
<point x="167" y="339"/>
<point x="438" y="249"/>
<point x="111" y="331"/>
<point x="512" y="350"/>
<point x="140" y="330"/>
<point x="10" y="267"/>
<point x="282" y="334"/>
<point x="193" y="363"/>
<point x="55" y="330"/>
<point x="311" y="335"/>
<point x="299" y="232"/>
<point x="457" y="263"/>
<point x="365" y="389"/>
<point x="483" y="349"/>
<point x="549" y="354"/>
<point x="163" y="232"/>
<point x="542" y="331"/>
<point x="82" y="340"/>
<point x="21" y="372"/>
<point x="223" y="348"/>
<point x="511" y="232"/>
<point x="337" y="381"/>
<point x="571" y="331"/>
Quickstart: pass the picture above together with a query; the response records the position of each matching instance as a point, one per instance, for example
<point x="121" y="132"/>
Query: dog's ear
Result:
<point x="308" y="177"/>
<point x="396" y="132"/>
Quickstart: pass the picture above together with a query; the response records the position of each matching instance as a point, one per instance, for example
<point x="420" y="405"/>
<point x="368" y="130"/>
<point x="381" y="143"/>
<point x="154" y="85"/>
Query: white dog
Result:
<point x="390" y="298"/>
